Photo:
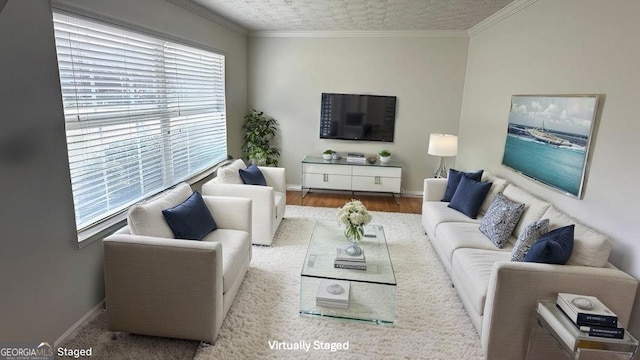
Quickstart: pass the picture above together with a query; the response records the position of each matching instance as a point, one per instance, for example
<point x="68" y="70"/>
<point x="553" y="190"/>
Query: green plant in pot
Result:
<point x="259" y="131"/>
<point x="327" y="154"/>
<point x="385" y="156"/>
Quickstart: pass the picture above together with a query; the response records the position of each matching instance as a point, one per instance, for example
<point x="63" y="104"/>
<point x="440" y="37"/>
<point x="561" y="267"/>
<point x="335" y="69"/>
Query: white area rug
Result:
<point x="430" y="320"/>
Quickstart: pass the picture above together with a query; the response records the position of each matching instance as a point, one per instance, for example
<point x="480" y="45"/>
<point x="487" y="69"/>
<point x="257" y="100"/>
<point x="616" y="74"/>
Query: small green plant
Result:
<point x="384" y="153"/>
<point x="328" y="152"/>
<point x="259" y="130"/>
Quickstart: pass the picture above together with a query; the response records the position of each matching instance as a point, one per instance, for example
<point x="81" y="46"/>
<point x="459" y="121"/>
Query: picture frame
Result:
<point x="549" y="139"/>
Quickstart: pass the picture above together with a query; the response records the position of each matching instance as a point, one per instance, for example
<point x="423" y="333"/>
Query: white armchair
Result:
<point x="160" y="286"/>
<point x="268" y="202"/>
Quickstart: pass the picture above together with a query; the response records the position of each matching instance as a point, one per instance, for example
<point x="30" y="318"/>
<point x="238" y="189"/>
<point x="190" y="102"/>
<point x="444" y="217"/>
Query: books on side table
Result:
<point x="333" y="293"/>
<point x="357" y="158"/>
<point x="590" y="315"/>
<point x="346" y="261"/>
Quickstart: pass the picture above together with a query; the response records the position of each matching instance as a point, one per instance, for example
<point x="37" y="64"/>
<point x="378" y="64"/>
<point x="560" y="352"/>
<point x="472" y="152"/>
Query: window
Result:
<point x="141" y="113"/>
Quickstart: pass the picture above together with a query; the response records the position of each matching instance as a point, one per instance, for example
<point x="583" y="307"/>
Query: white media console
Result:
<point x="318" y="173"/>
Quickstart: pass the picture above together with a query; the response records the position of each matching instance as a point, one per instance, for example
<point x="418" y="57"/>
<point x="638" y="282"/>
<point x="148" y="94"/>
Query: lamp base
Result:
<point x="442" y="171"/>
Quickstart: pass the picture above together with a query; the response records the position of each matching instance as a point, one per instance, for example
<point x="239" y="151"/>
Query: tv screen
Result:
<point x="357" y="117"/>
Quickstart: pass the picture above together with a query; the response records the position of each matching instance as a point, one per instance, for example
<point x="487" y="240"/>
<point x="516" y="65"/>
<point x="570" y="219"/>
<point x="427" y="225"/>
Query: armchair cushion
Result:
<point x="146" y="218"/>
<point x="190" y="220"/>
<point x="252" y="176"/>
<point x="230" y="174"/>
<point x="235" y="246"/>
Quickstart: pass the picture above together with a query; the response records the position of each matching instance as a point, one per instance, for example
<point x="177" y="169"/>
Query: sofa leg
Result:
<point x="114" y="335"/>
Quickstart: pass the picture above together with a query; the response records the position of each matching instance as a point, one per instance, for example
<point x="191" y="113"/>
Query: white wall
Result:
<point x="566" y="47"/>
<point x="47" y="283"/>
<point x="288" y="75"/>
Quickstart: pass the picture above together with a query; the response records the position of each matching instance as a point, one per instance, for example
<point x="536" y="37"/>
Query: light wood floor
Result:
<point x="372" y="202"/>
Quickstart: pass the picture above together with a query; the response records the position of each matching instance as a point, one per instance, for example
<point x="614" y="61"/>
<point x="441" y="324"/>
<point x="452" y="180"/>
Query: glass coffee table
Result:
<point x="372" y="291"/>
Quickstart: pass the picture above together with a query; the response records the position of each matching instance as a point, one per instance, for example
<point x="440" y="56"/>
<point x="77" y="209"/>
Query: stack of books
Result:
<point x="590" y="315"/>
<point x="346" y="261"/>
<point x="333" y="293"/>
<point x="357" y="158"/>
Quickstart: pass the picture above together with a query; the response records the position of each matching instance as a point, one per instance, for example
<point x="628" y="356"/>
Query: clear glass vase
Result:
<point x="354" y="234"/>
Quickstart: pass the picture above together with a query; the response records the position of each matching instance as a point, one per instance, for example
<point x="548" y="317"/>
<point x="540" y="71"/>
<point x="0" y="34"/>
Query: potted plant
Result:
<point x="259" y="131"/>
<point x="385" y="156"/>
<point x="327" y="154"/>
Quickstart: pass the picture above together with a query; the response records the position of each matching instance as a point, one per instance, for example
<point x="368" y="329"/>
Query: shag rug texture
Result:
<point x="430" y="320"/>
<point x="264" y="320"/>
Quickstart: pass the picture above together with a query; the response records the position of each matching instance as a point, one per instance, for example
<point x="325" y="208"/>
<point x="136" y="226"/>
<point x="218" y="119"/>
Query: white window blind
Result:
<point x="141" y="113"/>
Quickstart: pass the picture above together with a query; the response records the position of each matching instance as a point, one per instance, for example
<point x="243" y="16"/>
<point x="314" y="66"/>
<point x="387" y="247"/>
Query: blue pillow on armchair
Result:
<point x="554" y="247"/>
<point x="469" y="196"/>
<point x="252" y="176"/>
<point x="454" y="179"/>
<point x="190" y="220"/>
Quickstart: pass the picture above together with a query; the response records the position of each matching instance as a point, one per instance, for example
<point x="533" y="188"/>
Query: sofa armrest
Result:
<point x="230" y="212"/>
<point x="516" y="287"/>
<point x="434" y="189"/>
<point x="275" y="178"/>
<point x="163" y="287"/>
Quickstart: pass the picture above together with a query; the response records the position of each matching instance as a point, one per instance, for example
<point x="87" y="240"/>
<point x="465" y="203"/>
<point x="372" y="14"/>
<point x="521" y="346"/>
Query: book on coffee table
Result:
<point x="333" y="293"/>
<point x="342" y="255"/>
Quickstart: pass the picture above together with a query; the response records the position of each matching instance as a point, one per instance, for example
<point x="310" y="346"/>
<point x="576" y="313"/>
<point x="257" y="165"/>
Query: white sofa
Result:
<point x="500" y="296"/>
<point x="160" y="286"/>
<point x="268" y="201"/>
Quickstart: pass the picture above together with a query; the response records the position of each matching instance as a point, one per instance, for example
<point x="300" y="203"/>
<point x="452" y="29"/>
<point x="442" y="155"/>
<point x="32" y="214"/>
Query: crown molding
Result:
<point x="209" y="15"/>
<point x="361" y="34"/>
<point x="501" y="15"/>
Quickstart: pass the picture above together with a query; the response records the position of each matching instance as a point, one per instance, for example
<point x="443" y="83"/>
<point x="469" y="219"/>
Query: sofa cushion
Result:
<point x="252" y="176"/>
<point x="500" y="220"/>
<point x="453" y="236"/>
<point x="553" y="247"/>
<point x="469" y="196"/>
<point x="590" y="248"/>
<point x="236" y="246"/>
<point x="497" y="186"/>
<point x="146" y="217"/>
<point x="435" y="213"/>
<point x="528" y="237"/>
<point x="454" y="180"/>
<point x="470" y="272"/>
<point x="230" y="174"/>
<point x="533" y="207"/>
<point x="191" y="219"/>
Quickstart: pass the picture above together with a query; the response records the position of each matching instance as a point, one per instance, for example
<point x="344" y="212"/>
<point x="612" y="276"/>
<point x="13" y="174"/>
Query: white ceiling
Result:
<point x="354" y="15"/>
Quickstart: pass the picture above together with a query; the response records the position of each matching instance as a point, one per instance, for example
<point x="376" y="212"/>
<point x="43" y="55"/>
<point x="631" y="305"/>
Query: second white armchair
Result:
<point x="268" y="202"/>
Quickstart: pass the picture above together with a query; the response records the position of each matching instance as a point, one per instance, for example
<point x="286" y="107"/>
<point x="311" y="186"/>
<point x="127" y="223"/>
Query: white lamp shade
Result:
<point x="443" y="145"/>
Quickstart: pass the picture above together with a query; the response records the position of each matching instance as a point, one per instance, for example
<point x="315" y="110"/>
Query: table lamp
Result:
<point x="442" y="145"/>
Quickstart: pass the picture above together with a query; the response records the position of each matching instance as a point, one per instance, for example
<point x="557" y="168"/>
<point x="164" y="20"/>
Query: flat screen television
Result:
<point x="357" y="117"/>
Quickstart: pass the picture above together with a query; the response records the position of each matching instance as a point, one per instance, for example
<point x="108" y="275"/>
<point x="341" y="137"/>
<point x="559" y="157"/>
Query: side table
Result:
<point x="574" y="344"/>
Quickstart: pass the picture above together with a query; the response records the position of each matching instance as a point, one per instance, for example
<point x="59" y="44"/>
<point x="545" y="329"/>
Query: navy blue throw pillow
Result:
<point x="554" y="247"/>
<point x="252" y="176"/>
<point x="469" y="196"/>
<point x="454" y="180"/>
<point x="190" y="220"/>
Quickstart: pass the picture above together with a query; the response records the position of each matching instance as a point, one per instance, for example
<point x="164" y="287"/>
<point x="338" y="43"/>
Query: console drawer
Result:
<point x="377" y="171"/>
<point x="327" y="169"/>
<point x="327" y="181"/>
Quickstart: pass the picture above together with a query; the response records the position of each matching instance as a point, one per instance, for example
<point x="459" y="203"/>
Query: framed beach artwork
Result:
<point x="548" y="139"/>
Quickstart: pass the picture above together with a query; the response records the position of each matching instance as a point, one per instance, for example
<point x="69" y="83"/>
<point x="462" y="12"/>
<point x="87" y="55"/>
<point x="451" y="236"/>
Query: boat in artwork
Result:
<point x="542" y="135"/>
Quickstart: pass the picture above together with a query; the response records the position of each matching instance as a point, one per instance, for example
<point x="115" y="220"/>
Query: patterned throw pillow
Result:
<point x="500" y="220"/>
<point x="529" y="235"/>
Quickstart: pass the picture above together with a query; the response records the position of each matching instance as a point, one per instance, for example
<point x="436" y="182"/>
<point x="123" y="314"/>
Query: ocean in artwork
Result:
<point x="559" y="166"/>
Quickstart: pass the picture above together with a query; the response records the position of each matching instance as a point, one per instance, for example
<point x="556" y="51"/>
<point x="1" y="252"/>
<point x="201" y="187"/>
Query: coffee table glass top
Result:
<point x="328" y="236"/>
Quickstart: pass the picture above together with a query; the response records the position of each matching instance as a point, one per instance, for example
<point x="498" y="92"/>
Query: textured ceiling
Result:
<point x="354" y="15"/>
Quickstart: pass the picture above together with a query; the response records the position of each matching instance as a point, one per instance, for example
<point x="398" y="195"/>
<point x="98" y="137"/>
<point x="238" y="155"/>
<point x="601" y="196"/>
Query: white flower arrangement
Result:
<point x="354" y="215"/>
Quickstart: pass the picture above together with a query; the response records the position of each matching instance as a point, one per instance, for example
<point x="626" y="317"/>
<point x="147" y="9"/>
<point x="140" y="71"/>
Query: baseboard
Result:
<point x="86" y="318"/>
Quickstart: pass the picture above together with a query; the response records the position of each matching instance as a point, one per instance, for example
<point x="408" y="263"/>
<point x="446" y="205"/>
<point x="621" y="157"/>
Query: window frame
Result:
<point x="117" y="220"/>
